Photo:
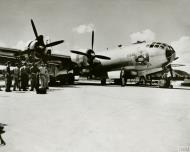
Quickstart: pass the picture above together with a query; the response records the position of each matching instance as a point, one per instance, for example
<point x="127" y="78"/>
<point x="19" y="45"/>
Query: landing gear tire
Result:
<point x="71" y="79"/>
<point x="117" y="81"/>
<point x="168" y="83"/>
<point x="52" y="81"/>
<point x="103" y="81"/>
<point x="165" y="83"/>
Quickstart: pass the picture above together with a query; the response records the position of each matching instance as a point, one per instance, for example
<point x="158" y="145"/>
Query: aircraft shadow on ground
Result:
<point x="129" y="85"/>
<point x="87" y="84"/>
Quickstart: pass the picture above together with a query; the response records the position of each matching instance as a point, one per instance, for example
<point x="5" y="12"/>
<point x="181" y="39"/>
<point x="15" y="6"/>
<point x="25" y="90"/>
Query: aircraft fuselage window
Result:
<point x="156" y="46"/>
<point x="161" y="46"/>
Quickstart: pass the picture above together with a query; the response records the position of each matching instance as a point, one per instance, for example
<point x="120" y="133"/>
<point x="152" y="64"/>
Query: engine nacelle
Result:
<point x="31" y="45"/>
<point x="80" y="60"/>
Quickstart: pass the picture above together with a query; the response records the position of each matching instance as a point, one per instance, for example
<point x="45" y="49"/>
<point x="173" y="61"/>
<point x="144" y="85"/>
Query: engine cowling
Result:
<point x="81" y="61"/>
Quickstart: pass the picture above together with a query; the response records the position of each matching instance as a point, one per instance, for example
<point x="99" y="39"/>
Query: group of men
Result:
<point x="37" y="74"/>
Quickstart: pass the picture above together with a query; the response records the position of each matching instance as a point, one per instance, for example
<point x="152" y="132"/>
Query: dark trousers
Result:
<point x="34" y="81"/>
<point x="8" y="82"/>
<point x="24" y="82"/>
<point x="2" y="141"/>
<point x="16" y="84"/>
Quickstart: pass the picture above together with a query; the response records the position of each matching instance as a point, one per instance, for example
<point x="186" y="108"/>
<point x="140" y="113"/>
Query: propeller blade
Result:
<point x="102" y="57"/>
<point x="54" y="43"/>
<point x="34" y="28"/>
<point x="176" y="58"/>
<point x="78" y="52"/>
<point x="92" y="40"/>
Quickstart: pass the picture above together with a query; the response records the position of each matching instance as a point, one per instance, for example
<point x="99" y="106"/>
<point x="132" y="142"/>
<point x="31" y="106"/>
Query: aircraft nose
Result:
<point x="170" y="54"/>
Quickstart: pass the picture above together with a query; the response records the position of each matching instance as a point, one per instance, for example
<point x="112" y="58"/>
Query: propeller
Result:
<point x="34" y="29"/>
<point x="78" y="52"/>
<point x="40" y="38"/>
<point x="102" y="57"/>
<point x="92" y="40"/>
<point x="54" y="43"/>
<point x="90" y="54"/>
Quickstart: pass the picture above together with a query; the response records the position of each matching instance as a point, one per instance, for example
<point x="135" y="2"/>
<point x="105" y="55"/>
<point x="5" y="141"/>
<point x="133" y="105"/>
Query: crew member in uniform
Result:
<point x="1" y="132"/>
<point x="24" y="77"/>
<point x="123" y="77"/>
<point x="34" y="77"/>
<point x="16" y="75"/>
<point x="8" y="78"/>
<point x="43" y="76"/>
<point x="47" y="76"/>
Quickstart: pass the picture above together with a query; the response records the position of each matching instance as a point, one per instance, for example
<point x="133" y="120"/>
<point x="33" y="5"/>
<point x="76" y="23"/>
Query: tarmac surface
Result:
<point x="94" y="118"/>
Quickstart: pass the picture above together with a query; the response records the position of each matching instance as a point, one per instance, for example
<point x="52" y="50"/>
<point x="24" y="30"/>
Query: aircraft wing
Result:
<point x="65" y="60"/>
<point x="176" y="65"/>
<point x="8" y="54"/>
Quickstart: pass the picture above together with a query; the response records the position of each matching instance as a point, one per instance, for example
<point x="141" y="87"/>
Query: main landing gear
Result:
<point x="165" y="83"/>
<point x="145" y="80"/>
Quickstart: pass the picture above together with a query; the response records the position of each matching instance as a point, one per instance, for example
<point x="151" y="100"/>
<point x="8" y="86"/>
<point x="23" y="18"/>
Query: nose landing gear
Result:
<point x="165" y="82"/>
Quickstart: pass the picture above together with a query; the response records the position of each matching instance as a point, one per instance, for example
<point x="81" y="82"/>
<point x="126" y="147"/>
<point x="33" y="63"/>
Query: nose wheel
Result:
<point x="165" y="82"/>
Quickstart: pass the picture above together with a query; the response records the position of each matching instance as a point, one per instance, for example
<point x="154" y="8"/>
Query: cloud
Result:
<point x="182" y="45"/>
<point x="20" y="45"/>
<point x="146" y="35"/>
<point x="182" y="48"/>
<point x="85" y="28"/>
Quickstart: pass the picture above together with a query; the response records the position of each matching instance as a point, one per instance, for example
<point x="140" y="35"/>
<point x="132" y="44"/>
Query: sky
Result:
<point x="114" y="21"/>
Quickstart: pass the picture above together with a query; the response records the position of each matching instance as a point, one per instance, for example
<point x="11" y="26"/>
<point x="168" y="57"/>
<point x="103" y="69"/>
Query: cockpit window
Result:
<point x="162" y="46"/>
<point x="159" y="45"/>
<point x="152" y="44"/>
<point x="171" y="48"/>
<point x="156" y="45"/>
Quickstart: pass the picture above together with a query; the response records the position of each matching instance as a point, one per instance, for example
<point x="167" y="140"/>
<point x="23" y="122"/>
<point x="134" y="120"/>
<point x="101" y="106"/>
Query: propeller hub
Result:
<point x="41" y="47"/>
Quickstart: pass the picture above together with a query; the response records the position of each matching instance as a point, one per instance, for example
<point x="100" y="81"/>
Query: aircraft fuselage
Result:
<point x="136" y="57"/>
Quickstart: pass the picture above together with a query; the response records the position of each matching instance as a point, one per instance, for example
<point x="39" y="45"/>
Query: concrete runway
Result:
<point x="91" y="118"/>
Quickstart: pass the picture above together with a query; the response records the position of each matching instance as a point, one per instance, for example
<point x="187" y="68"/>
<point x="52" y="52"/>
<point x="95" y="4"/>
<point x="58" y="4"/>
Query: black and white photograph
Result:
<point x="94" y="76"/>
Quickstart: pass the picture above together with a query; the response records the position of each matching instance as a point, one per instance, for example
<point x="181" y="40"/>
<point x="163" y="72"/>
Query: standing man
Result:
<point x="16" y="75"/>
<point x="34" y="77"/>
<point x="47" y="76"/>
<point x="43" y="76"/>
<point x="8" y="78"/>
<point x="1" y="132"/>
<point x="24" y="77"/>
<point x="123" y="77"/>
